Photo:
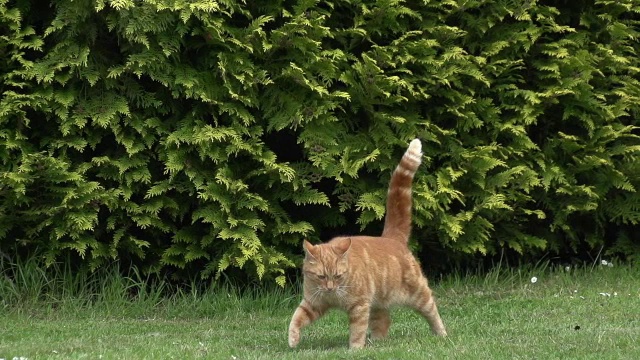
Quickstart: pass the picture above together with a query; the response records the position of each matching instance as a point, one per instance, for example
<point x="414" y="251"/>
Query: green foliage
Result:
<point x="200" y="136"/>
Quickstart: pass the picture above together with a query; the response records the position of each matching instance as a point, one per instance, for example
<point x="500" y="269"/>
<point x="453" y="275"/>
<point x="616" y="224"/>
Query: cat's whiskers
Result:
<point x="316" y="294"/>
<point x="341" y="292"/>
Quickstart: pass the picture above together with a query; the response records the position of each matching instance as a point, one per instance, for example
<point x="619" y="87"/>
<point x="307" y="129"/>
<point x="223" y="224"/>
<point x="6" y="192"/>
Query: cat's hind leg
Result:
<point x="424" y="303"/>
<point x="304" y="315"/>
<point x="379" y="323"/>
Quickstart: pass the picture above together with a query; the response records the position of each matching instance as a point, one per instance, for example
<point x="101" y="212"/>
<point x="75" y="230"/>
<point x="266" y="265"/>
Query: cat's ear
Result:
<point x="341" y="246"/>
<point x="309" y="250"/>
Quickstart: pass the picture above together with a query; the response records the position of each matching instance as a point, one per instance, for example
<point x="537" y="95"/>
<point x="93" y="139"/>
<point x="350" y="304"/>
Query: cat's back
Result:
<point x="379" y="253"/>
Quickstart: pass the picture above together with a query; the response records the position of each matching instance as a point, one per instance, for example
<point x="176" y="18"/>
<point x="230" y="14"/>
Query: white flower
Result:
<point x="615" y="294"/>
<point x="534" y="280"/>
<point x="610" y="264"/>
<point x="603" y="262"/>
<point x="605" y="294"/>
<point x="567" y="268"/>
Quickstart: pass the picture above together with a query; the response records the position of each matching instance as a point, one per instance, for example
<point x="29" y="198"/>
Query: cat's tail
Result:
<point x="397" y="223"/>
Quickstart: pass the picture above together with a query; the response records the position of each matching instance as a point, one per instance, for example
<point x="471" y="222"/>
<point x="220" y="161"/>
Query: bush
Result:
<point x="200" y="136"/>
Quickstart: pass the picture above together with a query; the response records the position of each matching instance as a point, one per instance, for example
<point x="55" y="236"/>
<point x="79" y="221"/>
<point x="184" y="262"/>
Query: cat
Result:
<point x="366" y="275"/>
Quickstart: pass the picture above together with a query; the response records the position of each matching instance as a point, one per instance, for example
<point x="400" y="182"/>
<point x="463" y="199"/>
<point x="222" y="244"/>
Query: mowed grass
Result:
<point x="588" y="313"/>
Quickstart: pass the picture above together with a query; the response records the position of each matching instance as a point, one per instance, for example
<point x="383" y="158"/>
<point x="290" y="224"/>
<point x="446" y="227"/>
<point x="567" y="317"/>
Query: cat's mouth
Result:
<point x="338" y="291"/>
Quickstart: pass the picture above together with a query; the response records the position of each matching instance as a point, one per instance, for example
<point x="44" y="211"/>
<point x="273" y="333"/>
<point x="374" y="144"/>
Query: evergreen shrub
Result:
<point x="199" y="136"/>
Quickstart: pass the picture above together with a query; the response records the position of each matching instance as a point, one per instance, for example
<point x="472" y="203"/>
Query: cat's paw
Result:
<point x="294" y="338"/>
<point x="441" y="332"/>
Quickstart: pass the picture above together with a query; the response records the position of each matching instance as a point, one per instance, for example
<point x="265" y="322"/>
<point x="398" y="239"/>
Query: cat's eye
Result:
<point x="321" y="277"/>
<point x="338" y="276"/>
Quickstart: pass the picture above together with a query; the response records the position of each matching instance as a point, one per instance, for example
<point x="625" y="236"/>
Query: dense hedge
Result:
<point x="209" y="135"/>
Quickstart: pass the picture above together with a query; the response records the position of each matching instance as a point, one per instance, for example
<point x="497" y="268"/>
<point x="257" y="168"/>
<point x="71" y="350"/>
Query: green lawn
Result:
<point x="502" y="315"/>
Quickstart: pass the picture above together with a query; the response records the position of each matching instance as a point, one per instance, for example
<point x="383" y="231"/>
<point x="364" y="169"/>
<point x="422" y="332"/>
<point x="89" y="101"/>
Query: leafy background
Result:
<point x="200" y="138"/>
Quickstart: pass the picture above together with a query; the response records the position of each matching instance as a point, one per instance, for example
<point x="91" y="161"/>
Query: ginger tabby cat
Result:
<point x="366" y="275"/>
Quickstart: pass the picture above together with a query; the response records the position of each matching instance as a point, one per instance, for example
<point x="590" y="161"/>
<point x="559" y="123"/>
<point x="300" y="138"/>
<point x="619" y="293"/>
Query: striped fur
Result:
<point x="397" y="223"/>
<point x="365" y="275"/>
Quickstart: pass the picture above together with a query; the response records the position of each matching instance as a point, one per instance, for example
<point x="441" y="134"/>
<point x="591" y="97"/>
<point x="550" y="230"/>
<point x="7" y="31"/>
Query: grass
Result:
<point x="592" y="312"/>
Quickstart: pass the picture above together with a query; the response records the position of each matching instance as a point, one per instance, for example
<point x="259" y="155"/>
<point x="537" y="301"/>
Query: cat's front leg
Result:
<point x="304" y="315"/>
<point x="358" y="325"/>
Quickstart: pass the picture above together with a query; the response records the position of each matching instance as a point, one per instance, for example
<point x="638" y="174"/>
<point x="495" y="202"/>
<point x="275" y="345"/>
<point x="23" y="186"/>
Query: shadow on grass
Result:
<point x="323" y="342"/>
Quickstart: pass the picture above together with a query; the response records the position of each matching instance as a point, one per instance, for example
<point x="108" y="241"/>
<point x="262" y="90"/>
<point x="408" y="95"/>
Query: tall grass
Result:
<point x="28" y="285"/>
<point x="25" y="284"/>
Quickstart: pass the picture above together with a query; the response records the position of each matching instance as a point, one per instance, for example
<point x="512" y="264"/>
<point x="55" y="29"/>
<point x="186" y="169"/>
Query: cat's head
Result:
<point x="326" y="265"/>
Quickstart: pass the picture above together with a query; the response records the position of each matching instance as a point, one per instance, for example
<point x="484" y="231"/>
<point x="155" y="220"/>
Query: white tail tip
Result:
<point x="415" y="147"/>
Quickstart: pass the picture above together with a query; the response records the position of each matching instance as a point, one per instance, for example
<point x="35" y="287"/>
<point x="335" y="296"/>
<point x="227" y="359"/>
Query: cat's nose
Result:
<point x="330" y="285"/>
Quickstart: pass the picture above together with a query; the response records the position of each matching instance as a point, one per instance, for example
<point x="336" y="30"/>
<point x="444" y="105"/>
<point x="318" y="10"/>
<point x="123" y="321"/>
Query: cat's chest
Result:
<point x="335" y="300"/>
